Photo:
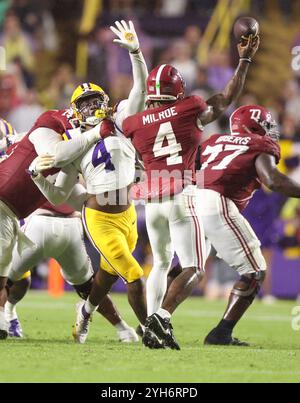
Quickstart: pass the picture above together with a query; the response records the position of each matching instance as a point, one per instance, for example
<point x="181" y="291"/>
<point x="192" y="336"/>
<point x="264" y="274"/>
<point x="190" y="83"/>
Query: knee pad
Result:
<point x="249" y="285"/>
<point x="83" y="290"/>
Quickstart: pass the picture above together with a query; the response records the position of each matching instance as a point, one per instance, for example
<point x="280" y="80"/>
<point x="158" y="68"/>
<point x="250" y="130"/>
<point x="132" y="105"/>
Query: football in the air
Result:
<point x="244" y="27"/>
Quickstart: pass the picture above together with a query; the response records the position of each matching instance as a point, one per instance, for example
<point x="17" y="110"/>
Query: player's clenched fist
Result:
<point x="40" y="164"/>
<point x="249" y="49"/>
<point x="127" y="36"/>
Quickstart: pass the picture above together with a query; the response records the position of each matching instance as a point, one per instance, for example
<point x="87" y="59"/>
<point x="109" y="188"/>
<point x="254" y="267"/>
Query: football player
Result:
<point x="233" y="167"/>
<point x="167" y="136"/>
<point x="58" y="233"/>
<point x="109" y="217"/>
<point x="19" y="197"/>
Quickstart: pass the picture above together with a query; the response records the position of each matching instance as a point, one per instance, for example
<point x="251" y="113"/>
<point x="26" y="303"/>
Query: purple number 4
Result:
<point x="102" y="156"/>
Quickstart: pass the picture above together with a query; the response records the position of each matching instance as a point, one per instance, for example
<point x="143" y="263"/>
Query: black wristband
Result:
<point x="135" y="52"/>
<point x="246" y="59"/>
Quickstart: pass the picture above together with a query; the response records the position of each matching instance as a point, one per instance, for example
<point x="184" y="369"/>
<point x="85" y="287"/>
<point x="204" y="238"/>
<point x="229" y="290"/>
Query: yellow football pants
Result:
<point x="115" y="237"/>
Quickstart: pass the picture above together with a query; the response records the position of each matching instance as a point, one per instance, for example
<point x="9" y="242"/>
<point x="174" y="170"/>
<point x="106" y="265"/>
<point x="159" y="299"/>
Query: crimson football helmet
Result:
<point x="254" y="119"/>
<point x="165" y="83"/>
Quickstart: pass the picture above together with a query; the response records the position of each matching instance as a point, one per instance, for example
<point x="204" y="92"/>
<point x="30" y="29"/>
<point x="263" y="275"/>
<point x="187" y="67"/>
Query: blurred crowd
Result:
<point x="40" y="40"/>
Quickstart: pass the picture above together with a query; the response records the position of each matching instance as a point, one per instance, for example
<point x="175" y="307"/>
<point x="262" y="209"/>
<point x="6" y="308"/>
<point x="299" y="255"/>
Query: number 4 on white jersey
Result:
<point x="216" y="150"/>
<point x="172" y="149"/>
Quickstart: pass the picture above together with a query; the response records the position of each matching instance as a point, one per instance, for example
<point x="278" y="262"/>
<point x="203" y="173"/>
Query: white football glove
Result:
<point x="127" y="36"/>
<point x="40" y="164"/>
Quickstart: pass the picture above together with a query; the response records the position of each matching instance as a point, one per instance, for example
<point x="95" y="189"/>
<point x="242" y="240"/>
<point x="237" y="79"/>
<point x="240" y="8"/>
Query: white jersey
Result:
<point x="107" y="166"/>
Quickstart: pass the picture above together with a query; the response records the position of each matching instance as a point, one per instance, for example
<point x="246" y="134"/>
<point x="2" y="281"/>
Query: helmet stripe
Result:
<point x="157" y="80"/>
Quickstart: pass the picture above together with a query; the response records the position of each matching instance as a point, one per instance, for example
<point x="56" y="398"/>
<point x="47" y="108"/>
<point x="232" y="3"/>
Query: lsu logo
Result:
<point x="296" y="318"/>
<point x="296" y="59"/>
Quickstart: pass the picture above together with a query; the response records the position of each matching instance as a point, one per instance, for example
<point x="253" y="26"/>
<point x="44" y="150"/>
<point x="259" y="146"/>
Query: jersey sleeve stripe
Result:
<point x="199" y="248"/>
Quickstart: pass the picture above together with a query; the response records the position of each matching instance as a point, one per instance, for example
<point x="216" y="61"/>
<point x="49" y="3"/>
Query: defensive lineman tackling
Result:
<point x="109" y="218"/>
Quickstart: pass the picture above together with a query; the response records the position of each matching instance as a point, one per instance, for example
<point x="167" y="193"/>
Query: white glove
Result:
<point x="40" y="164"/>
<point x="128" y="37"/>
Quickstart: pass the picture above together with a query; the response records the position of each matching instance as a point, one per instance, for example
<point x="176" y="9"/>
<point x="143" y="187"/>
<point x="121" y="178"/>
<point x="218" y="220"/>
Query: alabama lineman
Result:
<point x="167" y="137"/>
<point x="110" y="219"/>
<point x="233" y="167"/>
<point x="58" y="233"/>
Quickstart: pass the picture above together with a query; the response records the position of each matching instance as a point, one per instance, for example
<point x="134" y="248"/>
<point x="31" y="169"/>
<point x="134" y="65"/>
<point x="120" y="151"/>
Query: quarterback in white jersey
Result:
<point x="108" y="169"/>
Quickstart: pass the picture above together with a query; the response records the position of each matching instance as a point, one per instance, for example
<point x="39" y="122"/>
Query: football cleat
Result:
<point x="3" y="326"/>
<point x="15" y="328"/>
<point x="128" y="335"/>
<point x="139" y="331"/>
<point x="215" y="339"/>
<point x="81" y="327"/>
<point x="159" y="333"/>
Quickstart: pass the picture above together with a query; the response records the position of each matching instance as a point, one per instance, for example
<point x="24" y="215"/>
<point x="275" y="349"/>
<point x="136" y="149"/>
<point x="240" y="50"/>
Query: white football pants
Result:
<point x="58" y="238"/>
<point x="173" y="226"/>
<point x="230" y="233"/>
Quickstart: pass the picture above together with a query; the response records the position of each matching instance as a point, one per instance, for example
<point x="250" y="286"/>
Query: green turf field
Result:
<point x="48" y="353"/>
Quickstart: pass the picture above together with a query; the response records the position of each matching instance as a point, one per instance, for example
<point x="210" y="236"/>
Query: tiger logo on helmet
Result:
<point x="7" y="134"/>
<point x="89" y="103"/>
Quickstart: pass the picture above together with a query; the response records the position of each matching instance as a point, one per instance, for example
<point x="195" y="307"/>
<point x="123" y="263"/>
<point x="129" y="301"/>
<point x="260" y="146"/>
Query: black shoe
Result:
<point x="3" y="334"/>
<point x="159" y="333"/>
<point x="139" y="331"/>
<point x="216" y="339"/>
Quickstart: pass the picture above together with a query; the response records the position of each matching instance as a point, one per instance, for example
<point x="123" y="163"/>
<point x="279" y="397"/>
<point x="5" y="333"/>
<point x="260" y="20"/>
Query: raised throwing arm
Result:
<point x="220" y="102"/>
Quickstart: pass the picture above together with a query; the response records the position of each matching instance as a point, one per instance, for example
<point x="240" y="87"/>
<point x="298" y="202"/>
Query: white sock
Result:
<point x="163" y="313"/>
<point x="89" y="308"/>
<point x="10" y="311"/>
<point x="156" y="289"/>
<point x="121" y="326"/>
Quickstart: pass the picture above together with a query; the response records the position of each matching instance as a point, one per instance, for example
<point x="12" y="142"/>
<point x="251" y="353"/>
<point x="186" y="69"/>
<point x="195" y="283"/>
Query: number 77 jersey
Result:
<point x="228" y="164"/>
<point x="167" y="139"/>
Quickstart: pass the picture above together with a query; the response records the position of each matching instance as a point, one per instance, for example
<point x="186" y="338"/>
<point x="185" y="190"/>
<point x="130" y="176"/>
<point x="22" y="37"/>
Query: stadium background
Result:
<point x="53" y="45"/>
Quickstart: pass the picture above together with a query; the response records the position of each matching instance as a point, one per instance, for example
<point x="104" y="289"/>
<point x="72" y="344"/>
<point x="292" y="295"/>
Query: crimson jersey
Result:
<point x="228" y="164"/>
<point x="167" y="138"/>
<point x="17" y="189"/>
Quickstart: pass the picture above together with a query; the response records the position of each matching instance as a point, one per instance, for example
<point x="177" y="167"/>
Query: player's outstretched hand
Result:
<point x="40" y="164"/>
<point x="127" y="36"/>
<point x="249" y="49"/>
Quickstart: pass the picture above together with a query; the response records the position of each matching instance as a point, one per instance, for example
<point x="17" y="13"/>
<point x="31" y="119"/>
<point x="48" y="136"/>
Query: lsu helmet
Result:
<point x="89" y="103"/>
<point x="165" y="83"/>
<point x="255" y="119"/>
<point x="7" y="133"/>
